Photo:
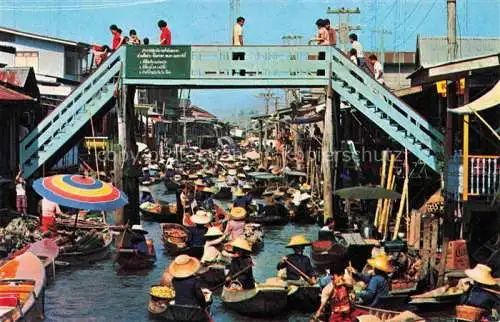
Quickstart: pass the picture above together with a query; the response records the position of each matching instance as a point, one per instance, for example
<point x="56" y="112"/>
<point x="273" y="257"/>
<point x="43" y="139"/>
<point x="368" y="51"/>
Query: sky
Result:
<point x="207" y="22"/>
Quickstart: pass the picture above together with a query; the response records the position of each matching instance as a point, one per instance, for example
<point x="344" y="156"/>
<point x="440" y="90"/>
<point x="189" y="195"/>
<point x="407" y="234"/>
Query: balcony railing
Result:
<point x="484" y="175"/>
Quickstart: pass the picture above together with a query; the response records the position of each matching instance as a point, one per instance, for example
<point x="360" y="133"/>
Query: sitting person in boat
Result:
<point x="297" y="261"/>
<point x="186" y="285"/>
<point x="197" y="233"/>
<point x="239" y="200"/>
<point x="484" y="293"/>
<point x="248" y="195"/>
<point x="303" y="212"/>
<point x="377" y="280"/>
<point x="213" y="246"/>
<point x="273" y="208"/>
<point x="336" y="292"/>
<point x="146" y="196"/>
<point x="49" y="210"/>
<point x="236" y="225"/>
<point x="241" y="264"/>
<point x="138" y="240"/>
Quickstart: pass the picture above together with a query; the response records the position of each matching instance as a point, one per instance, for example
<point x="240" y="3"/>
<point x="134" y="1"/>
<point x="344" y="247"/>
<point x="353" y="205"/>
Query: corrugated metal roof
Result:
<point x="9" y="95"/>
<point x="43" y="37"/>
<point x="434" y="50"/>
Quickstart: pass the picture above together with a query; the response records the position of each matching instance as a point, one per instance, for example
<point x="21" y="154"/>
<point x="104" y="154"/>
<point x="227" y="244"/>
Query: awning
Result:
<point x="488" y="100"/>
<point x="9" y="95"/>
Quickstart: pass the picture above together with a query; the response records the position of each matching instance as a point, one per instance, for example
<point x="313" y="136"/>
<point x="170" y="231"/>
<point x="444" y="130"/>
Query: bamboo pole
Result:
<point x="385" y="202"/>
<point x="382" y="184"/>
<point x="388" y="209"/>
<point x="402" y="204"/>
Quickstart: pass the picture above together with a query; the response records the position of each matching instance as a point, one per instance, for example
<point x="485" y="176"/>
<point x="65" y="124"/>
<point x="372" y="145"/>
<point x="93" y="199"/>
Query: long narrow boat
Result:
<point x="211" y="275"/>
<point x="22" y="288"/>
<point x="268" y="220"/>
<point x="165" y="215"/>
<point x="380" y="313"/>
<point x="304" y="298"/>
<point x="174" y="237"/>
<point x="86" y="257"/>
<point x="131" y="260"/>
<point x="264" y="300"/>
<point x="47" y="250"/>
<point x="177" y="313"/>
<point x="224" y="193"/>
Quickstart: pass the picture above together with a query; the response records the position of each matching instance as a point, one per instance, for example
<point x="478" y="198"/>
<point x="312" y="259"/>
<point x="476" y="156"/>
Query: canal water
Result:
<point x="101" y="293"/>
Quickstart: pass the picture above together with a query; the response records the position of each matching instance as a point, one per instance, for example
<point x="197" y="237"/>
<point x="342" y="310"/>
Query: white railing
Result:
<point x="484" y="175"/>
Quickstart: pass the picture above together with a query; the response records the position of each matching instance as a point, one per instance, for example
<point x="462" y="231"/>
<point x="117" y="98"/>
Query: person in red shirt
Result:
<point x="166" y="35"/>
<point x="117" y="37"/>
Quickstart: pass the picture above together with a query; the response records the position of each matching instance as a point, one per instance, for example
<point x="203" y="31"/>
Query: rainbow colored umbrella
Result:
<point x="80" y="192"/>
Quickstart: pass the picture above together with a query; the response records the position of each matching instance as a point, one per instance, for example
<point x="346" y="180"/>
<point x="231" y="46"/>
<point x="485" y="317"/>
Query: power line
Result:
<point x="76" y="7"/>
<point x="418" y="25"/>
<point x="405" y="20"/>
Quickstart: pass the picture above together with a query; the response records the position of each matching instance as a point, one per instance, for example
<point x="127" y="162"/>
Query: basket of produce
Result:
<point x="151" y="207"/>
<point x="469" y="313"/>
<point x="162" y="292"/>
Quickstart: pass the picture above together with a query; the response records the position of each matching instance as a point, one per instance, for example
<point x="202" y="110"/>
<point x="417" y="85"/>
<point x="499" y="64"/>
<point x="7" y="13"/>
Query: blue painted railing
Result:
<point x="70" y="116"/>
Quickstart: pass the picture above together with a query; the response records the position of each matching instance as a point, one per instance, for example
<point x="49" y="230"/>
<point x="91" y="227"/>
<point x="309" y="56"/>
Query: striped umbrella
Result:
<point x="80" y="192"/>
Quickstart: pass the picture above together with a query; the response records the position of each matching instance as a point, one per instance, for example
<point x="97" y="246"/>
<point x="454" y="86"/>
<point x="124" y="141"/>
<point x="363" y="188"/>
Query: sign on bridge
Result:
<point x="168" y="62"/>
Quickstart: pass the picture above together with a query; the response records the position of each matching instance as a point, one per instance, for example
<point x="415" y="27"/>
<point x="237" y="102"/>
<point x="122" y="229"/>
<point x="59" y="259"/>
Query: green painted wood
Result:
<point x="153" y="62"/>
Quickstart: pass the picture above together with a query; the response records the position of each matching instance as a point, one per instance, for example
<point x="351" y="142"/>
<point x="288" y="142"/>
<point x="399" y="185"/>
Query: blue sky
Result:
<point x="206" y="22"/>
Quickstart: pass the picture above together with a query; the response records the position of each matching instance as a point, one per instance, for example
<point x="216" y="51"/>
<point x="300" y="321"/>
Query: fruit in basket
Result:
<point x="163" y="292"/>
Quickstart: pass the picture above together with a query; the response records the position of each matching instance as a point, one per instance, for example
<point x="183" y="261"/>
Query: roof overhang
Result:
<point x="45" y="38"/>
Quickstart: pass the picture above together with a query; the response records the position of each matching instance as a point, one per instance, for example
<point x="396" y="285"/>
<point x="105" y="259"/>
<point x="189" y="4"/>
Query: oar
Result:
<point x="232" y="277"/>
<point x="304" y="275"/>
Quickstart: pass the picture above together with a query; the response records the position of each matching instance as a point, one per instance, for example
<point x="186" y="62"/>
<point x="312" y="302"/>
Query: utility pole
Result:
<point x="381" y="49"/>
<point x="267" y="95"/>
<point x="185" y="107"/>
<point x="451" y="102"/>
<point x="344" y="27"/>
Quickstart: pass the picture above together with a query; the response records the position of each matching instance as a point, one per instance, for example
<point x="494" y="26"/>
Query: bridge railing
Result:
<point x="269" y="62"/>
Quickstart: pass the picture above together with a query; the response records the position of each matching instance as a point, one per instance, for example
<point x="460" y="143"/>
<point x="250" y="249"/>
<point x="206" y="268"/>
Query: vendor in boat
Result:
<point x="197" y="233"/>
<point x="49" y="210"/>
<point x="377" y="280"/>
<point x="241" y="264"/>
<point x="231" y="177"/>
<point x="273" y="208"/>
<point x="303" y="212"/>
<point x="213" y="246"/>
<point x="236" y="225"/>
<point x="336" y="292"/>
<point x="297" y="259"/>
<point x="186" y="285"/>
<point x="208" y="203"/>
<point x="146" y="195"/>
<point x="248" y="194"/>
<point x="138" y="240"/>
<point x="484" y="293"/>
<point x="239" y="200"/>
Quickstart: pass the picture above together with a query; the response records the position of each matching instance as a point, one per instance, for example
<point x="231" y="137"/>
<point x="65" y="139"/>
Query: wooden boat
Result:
<point x="224" y="193"/>
<point x="264" y="300"/>
<point x="22" y="288"/>
<point x="304" y="298"/>
<point x="436" y="299"/>
<point x="166" y="214"/>
<point x="130" y="259"/>
<point x="177" y="313"/>
<point x="86" y="257"/>
<point x="380" y="313"/>
<point x="326" y="253"/>
<point x="174" y="237"/>
<point x="211" y="275"/>
<point x="47" y="251"/>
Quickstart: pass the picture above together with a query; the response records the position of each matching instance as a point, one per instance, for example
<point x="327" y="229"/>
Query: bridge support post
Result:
<point x="327" y="153"/>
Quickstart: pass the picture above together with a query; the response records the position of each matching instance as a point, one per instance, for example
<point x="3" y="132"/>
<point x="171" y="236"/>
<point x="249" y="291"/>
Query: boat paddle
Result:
<point x="230" y="278"/>
<point x="304" y="275"/>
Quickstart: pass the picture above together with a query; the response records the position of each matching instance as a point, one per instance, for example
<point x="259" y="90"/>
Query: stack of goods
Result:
<point x="162" y="292"/>
<point x="19" y="233"/>
<point x="176" y="236"/>
<point x="151" y="207"/>
<point x="80" y="240"/>
<point x="254" y="233"/>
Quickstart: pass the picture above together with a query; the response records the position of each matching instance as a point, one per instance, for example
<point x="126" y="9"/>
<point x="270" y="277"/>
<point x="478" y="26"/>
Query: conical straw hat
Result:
<point x="201" y="217"/>
<point x="380" y="262"/>
<point x="368" y="318"/>
<point x="238" y="213"/>
<point x="213" y="231"/>
<point x="298" y="240"/>
<point x="481" y="274"/>
<point x="239" y="193"/>
<point x="241" y="244"/>
<point x="184" y="266"/>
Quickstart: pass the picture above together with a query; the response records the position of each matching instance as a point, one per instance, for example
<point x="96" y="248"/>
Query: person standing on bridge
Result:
<point x="332" y="35"/>
<point x="117" y="37"/>
<point x="238" y="41"/>
<point x="353" y="39"/>
<point x="378" y="69"/>
<point x="166" y="35"/>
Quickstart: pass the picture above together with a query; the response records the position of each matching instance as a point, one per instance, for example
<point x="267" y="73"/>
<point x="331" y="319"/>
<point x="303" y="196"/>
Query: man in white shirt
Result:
<point x="238" y="41"/>
<point x="353" y="39"/>
<point x="378" y="69"/>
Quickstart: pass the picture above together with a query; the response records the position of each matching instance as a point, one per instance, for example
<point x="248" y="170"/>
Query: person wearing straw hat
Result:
<point x="247" y="189"/>
<point x="208" y="202"/>
<point x="138" y="240"/>
<point x="297" y="259"/>
<point x="484" y="293"/>
<point x="186" y="285"/>
<point x="377" y="282"/>
<point x="236" y="225"/>
<point x="197" y="233"/>
<point x="239" y="200"/>
<point x="303" y="213"/>
<point x="273" y="208"/>
<point x="213" y="246"/>
<point x="242" y="264"/>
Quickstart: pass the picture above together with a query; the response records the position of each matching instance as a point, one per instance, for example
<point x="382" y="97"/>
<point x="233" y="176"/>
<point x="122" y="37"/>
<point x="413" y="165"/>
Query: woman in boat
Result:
<point x="146" y="195"/>
<point x="484" y="293"/>
<point x="303" y="213"/>
<point x="197" y="233"/>
<point x="186" y="286"/>
<point x="240" y="200"/>
<point x="236" y="225"/>
<point x="273" y="208"/>
<point x="241" y="264"/>
<point x="297" y="259"/>
<point x="138" y="240"/>
<point x="186" y="206"/>
<point x="248" y="195"/>
<point x="337" y="294"/>
<point x="377" y="281"/>
<point x="213" y="246"/>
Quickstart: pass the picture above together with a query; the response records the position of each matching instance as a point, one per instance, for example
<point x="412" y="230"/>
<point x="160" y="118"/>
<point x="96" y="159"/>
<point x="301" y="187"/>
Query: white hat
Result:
<point x="139" y="228"/>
